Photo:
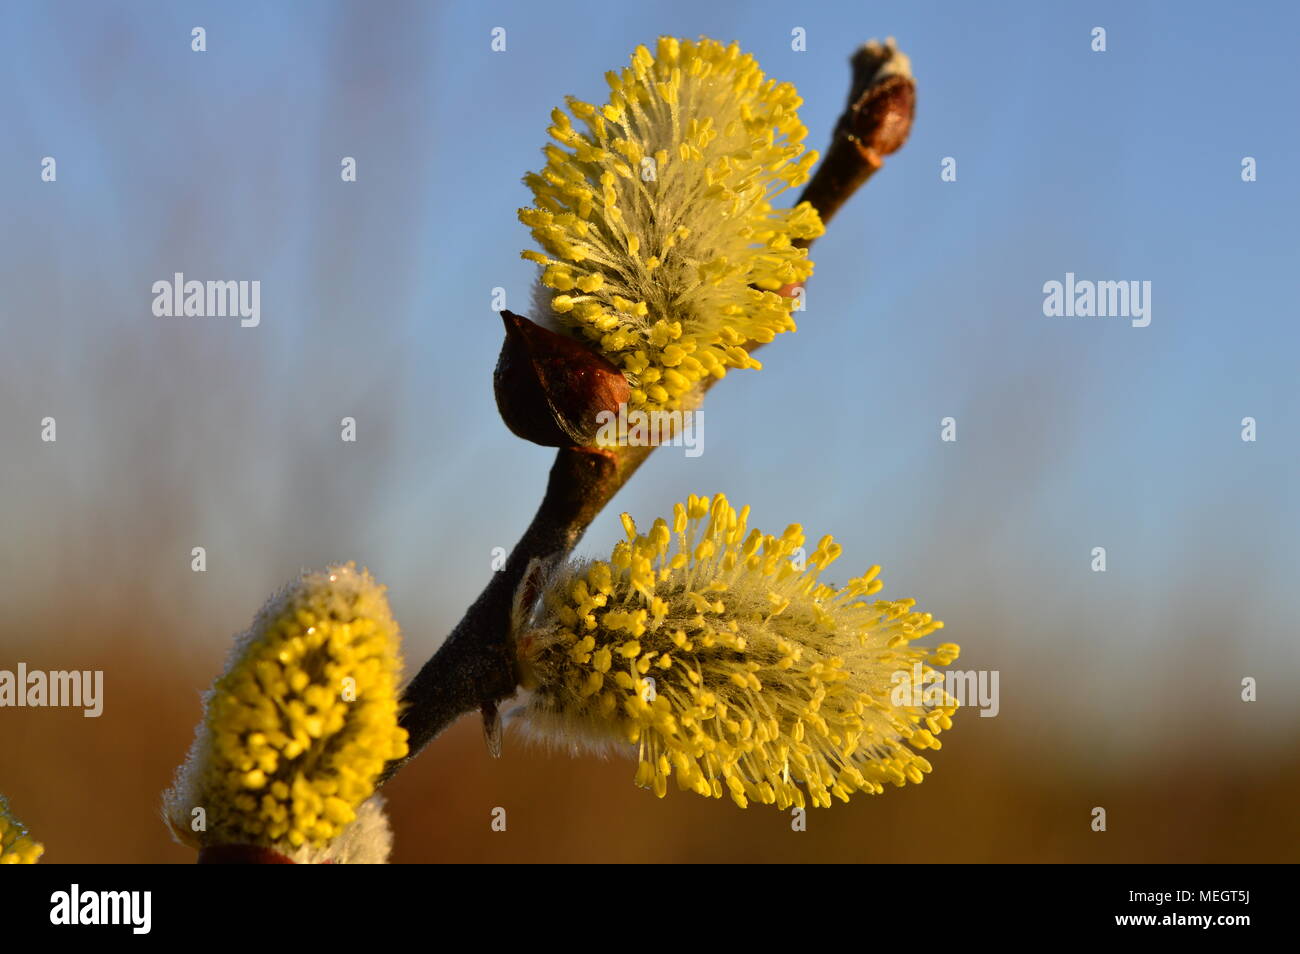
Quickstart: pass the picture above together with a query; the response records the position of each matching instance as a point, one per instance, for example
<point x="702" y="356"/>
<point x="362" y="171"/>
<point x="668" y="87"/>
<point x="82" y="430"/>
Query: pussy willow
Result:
<point x="718" y="656"/>
<point x="298" y="728"/>
<point x="660" y="243"/>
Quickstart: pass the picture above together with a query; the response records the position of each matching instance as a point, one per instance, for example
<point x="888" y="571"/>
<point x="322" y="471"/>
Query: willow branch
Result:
<point x="475" y="667"/>
<point x="875" y="123"/>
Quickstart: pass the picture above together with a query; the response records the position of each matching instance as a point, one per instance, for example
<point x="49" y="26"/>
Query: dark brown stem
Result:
<point x="475" y="667"/>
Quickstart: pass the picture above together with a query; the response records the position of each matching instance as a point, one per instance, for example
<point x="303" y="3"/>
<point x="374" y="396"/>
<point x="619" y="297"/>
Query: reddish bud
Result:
<point x="550" y="387"/>
<point x="882" y="102"/>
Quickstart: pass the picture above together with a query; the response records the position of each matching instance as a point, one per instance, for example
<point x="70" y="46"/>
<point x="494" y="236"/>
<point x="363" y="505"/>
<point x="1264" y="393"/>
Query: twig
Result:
<point x="475" y="666"/>
<point x="875" y="123"/>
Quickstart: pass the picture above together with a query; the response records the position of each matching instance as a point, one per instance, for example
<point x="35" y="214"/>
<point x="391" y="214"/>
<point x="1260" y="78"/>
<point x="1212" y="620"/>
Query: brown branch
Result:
<point x="475" y="666"/>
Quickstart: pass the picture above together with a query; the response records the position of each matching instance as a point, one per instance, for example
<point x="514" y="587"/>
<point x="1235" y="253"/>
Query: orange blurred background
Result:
<point x="1003" y="790"/>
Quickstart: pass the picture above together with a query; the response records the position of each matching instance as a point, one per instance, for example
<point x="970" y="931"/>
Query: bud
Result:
<point x="550" y="388"/>
<point x="875" y="123"/>
<point x="882" y="102"/>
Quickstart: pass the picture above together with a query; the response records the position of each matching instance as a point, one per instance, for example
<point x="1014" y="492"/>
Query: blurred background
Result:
<point x="1119" y="689"/>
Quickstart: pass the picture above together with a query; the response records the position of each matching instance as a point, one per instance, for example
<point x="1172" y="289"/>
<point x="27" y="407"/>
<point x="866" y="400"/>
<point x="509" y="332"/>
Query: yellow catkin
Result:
<point x="299" y="727"/>
<point x="654" y="212"/>
<point x="726" y="665"/>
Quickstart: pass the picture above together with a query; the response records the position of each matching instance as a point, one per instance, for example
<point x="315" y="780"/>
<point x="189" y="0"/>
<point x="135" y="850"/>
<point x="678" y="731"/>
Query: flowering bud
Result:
<point x="298" y="728"/>
<point x="657" y="238"/>
<point x="550" y="388"/>
<point x="720" y="660"/>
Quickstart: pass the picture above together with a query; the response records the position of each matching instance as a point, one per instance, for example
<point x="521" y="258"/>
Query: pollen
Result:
<point x="655" y="215"/>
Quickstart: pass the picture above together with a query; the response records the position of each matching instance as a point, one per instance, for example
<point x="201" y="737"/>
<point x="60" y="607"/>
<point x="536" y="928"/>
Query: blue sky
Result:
<point x="927" y="302"/>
